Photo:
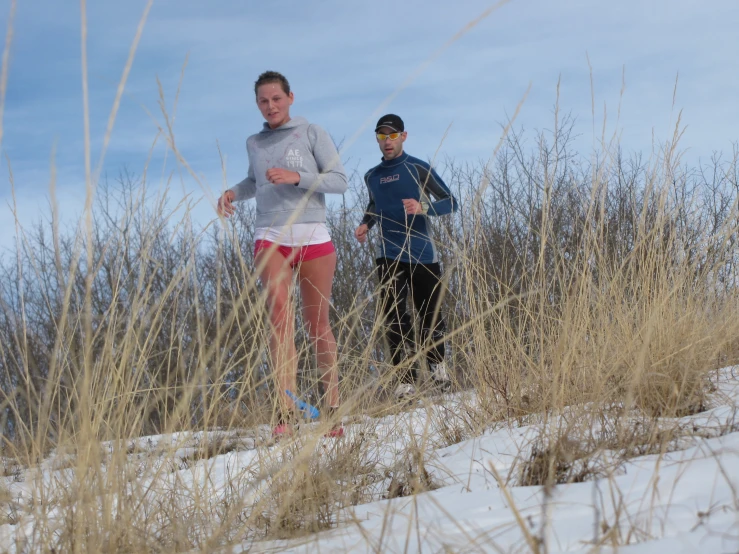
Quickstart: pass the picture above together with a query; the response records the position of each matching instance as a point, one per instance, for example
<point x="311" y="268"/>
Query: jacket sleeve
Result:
<point x="331" y="177"/>
<point x="431" y="184"/>
<point x="369" y="211"/>
<point x="247" y="188"/>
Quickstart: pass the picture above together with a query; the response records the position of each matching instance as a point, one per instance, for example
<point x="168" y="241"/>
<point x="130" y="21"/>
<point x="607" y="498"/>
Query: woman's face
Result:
<point x="274" y="104"/>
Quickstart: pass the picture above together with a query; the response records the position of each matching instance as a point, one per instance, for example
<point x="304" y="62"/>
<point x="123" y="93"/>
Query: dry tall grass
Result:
<point x="572" y="302"/>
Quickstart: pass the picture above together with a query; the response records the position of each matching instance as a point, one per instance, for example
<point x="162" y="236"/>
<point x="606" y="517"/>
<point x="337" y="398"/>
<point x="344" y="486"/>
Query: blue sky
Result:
<point x="344" y="59"/>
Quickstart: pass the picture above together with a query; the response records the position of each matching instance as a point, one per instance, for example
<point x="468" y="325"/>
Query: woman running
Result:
<point x="292" y="166"/>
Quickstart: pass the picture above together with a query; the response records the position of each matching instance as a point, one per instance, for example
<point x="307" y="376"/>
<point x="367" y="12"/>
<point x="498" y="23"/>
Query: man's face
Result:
<point x="274" y="104"/>
<point x="390" y="147"/>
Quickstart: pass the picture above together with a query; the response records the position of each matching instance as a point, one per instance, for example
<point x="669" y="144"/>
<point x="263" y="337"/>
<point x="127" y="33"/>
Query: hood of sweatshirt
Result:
<point x="294" y="122"/>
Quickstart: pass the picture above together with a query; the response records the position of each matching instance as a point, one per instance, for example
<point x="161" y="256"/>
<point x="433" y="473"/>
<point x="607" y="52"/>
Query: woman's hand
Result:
<point x="225" y="204"/>
<point x="278" y="176"/>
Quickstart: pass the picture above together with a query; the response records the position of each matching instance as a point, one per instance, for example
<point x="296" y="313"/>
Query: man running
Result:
<point x="401" y="189"/>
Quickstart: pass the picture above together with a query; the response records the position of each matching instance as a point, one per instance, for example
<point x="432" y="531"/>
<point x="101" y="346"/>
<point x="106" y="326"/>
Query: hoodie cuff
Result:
<point x="307" y="180"/>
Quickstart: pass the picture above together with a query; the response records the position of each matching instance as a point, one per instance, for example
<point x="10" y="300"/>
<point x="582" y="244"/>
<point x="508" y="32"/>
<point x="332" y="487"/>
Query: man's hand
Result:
<point x="360" y="233"/>
<point x="225" y="205"/>
<point x="412" y="206"/>
<point x="278" y="176"/>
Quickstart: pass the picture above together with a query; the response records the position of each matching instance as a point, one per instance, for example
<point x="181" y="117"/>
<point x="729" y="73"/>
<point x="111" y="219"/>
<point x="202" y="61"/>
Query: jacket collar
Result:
<point x="395" y="161"/>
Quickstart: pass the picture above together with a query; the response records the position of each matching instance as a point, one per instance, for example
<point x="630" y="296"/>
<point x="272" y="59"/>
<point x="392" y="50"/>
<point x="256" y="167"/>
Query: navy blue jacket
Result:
<point x="403" y="237"/>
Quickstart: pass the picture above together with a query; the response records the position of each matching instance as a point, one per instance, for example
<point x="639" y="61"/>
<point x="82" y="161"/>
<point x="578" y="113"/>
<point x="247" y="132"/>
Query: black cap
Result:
<point x="391" y="120"/>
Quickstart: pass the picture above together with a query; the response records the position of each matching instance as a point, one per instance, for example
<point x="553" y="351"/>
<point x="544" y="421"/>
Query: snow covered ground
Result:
<point x="684" y="498"/>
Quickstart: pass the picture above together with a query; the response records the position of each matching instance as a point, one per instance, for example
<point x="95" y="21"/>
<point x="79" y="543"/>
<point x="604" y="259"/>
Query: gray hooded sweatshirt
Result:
<point x="296" y="146"/>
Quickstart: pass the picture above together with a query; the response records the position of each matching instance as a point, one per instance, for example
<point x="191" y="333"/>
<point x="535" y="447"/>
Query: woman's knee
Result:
<point x="278" y="301"/>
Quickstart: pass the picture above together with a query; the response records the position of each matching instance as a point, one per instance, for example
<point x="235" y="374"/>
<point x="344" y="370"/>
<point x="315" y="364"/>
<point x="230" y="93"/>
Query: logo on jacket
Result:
<point x="293" y="158"/>
<point x="389" y="179"/>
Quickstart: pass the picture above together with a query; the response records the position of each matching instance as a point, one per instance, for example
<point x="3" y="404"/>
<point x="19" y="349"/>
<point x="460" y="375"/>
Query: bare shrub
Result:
<point x="576" y="286"/>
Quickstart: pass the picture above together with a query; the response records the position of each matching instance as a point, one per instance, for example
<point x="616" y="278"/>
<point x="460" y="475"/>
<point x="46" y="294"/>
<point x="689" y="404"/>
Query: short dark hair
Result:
<point x="272" y="77"/>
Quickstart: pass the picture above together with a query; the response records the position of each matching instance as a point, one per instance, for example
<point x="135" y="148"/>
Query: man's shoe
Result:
<point x="440" y="376"/>
<point x="404" y="390"/>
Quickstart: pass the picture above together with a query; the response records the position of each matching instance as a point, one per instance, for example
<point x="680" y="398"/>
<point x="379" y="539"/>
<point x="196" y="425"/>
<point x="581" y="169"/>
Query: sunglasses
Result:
<point x="391" y="136"/>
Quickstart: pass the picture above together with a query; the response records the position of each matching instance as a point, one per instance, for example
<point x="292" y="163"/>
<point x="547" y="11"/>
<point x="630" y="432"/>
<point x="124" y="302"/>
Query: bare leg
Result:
<point x="276" y="276"/>
<point x="316" y="278"/>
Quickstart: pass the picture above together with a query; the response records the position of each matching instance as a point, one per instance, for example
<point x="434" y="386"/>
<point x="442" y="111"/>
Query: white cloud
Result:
<point x="344" y="60"/>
